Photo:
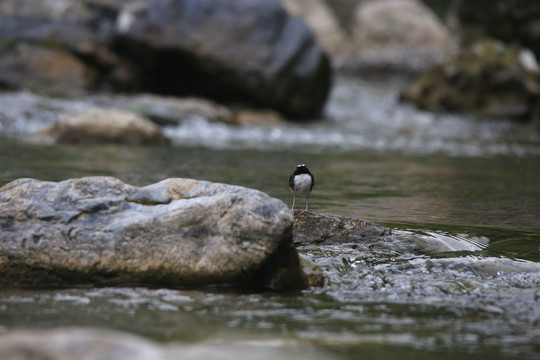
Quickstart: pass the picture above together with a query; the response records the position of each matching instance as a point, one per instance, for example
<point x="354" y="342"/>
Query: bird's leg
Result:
<point x="294" y="199"/>
<point x="306" y="210"/>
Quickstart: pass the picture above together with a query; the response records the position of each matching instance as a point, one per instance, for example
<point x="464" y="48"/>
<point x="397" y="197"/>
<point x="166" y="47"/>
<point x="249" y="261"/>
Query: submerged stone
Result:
<point x="323" y="229"/>
<point x="99" y="230"/>
<point x="327" y="229"/>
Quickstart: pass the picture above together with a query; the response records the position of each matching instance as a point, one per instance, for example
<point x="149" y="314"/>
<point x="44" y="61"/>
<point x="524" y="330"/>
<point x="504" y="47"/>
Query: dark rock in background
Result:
<point x="231" y="50"/>
<point x="57" y="57"/>
<point x="248" y="52"/>
<point x="253" y="52"/>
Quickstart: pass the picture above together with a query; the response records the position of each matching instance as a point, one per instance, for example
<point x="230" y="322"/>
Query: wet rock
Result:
<point x="99" y="230"/>
<point x="483" y="266"/>
<point x="322" y="229"/>
<point x="100" y="344"/>
<point x="100" y="125"/>
<point x="234" y="51"/>
<point x="314" y="273"/>
<point x="488" y="78"/>
<point x="395" y="36"/>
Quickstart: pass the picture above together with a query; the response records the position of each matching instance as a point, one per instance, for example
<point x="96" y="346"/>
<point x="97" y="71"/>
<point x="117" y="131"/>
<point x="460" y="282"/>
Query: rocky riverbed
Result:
<point x="423" y="238"/>
<point x="185" y="232"/>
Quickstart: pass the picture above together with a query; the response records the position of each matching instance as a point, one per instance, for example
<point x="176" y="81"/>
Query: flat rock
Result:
<point x="323" y="229"/>
<point x="326" y="230"/>
<point x="101" y="125"/>
<point x="99" y="230"/>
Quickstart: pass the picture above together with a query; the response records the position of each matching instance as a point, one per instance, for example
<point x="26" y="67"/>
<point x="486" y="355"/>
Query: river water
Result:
<point x="471" y="183"/>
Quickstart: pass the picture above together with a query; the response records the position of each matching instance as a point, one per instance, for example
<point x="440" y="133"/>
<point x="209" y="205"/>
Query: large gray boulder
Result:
<point x="99" y="230"/>
<point x="229" y="50"/>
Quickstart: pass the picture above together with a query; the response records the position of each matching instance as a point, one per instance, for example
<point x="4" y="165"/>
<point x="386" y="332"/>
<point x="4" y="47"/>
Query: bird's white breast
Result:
<point x="302" y="184"/>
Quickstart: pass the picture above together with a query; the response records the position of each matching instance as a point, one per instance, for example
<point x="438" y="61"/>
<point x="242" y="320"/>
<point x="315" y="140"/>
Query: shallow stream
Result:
<point x="470" y="183"/>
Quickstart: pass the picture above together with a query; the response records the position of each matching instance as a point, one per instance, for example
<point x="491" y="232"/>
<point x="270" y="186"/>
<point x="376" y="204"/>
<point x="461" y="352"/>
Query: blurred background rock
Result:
<point x="61" y="46"/>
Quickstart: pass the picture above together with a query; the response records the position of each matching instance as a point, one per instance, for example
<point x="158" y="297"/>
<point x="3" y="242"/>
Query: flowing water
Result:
<point x="471" y="184"/>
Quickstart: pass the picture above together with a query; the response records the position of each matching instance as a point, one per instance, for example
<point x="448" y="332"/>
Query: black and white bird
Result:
<point x="301" y="183"/>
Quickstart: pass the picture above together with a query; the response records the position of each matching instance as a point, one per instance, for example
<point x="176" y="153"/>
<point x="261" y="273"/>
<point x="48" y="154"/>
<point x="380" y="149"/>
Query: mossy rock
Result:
<point x="489" y="78"/>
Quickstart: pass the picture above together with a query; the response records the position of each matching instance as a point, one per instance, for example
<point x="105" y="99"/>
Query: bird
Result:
<point x="301" y="183"/>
